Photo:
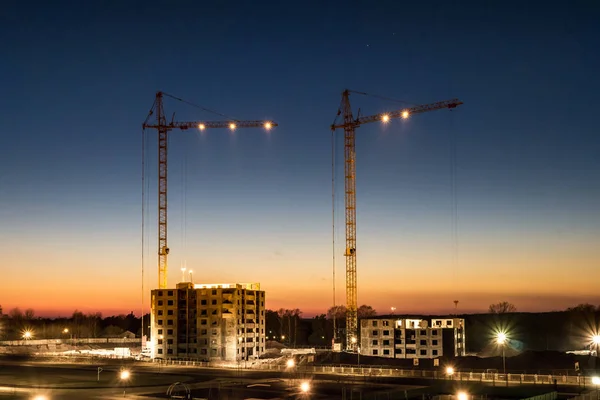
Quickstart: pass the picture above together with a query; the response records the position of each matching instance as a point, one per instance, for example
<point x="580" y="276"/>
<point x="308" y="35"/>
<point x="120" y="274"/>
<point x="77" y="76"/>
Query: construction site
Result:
<point x="226" y="322"/>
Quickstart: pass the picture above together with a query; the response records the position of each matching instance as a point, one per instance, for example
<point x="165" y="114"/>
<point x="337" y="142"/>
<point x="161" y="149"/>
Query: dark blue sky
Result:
<point x="78" y="79"/>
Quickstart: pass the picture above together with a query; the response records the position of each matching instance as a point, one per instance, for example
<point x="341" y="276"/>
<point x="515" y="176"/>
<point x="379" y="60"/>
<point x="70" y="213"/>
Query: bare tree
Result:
<point x="281" y="315"/>
<point x="502" y="307"/>
<point x="29" y="314"/>
<point x="16" y="314"/>
<point x="296" y="313"/>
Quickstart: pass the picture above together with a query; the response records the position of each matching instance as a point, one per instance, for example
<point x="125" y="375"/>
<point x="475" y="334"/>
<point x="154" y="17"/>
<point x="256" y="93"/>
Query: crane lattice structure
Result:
<point x="349" y="126"/>
<point x="163" y="127"/>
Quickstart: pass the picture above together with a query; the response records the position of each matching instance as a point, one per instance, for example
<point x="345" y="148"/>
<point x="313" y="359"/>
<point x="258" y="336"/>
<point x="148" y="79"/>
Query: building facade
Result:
<point x="208" y="322"/>
<point x="412" y="338"/>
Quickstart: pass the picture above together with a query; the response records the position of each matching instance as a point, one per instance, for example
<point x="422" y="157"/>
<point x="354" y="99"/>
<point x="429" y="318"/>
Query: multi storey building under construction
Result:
<point x="208" y="321"/>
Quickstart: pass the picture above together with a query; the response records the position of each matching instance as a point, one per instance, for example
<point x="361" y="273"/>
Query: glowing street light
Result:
<point x="462" y="396"/>
<point x="232" y="126"/>
<point x="449" y="371"/>
<point x="405" y="114"/>
<point x="501" y="340"/>
<point x="201" y="127"/>
<point x="268" y="126"/>
<point x="385" y="118"/>
<point x="304" y="387"/>
<point x="66" y="330"/>
<point x="124" y="375"/>
<point x="27" y="335"/>
<point x="595" y="381"/>
<point x="183" y="274"/>
<point x="40" y="397"/>
<point x="290" y="363"/>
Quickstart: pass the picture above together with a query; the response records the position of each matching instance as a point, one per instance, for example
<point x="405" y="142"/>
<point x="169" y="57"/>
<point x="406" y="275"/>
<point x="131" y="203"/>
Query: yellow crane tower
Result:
<point x="163" y="127"/>
<point x="349" y="125"/>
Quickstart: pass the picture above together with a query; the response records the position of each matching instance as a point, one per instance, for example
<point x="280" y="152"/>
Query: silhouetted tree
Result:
<point x="502" y="307"/>
<point x="584" y="308"/>
<point x="29" y="314"/>
<point x="296" y="315"/>
<point x="365" y="311"/>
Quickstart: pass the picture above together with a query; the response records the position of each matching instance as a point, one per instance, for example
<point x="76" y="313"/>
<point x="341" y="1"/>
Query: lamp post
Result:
<point x="595" y="343"/>
<point x="501" y="340"/>
<point x="124" y="376"/>
<point x="596" y="383"/>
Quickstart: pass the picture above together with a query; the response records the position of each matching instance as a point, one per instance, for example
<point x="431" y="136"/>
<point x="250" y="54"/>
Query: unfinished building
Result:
<point x="412" y="338"/>
<point x="208" y="322"/>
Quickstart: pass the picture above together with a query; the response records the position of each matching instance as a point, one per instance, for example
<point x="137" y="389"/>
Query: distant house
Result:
<point x="128" y="335"/>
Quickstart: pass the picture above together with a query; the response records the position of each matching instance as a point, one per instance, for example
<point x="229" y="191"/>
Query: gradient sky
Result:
<point x="78" y="79"/>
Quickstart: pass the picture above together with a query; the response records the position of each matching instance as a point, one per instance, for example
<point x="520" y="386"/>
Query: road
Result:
<point x="25" y="380"/>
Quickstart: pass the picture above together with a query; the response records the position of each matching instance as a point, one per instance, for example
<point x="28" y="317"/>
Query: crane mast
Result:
<point x="163" y="129"/>
<point x="349" y="125"/>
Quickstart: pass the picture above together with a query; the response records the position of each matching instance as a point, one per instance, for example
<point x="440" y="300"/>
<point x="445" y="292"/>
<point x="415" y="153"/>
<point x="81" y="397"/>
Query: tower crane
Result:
<point x="349" y="126"/>
<point x="163" y="127"/>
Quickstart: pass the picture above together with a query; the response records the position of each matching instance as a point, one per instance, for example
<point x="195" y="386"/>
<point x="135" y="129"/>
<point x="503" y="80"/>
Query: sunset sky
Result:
<point x="79" y="80"/>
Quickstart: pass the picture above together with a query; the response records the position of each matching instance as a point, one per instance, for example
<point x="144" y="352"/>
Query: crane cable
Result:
<point x="199" y="107"/>
<point x="143" y="219"/>
<point x="383" y="97"/>
<point x="333" y="228"/>
<point x="454" y="193"/>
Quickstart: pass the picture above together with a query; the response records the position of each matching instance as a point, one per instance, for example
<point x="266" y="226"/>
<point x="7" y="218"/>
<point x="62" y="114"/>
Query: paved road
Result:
<point x="72" y="381"/>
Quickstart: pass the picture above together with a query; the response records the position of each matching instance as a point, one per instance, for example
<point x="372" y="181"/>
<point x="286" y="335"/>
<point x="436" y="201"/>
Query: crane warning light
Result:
<point x="385" y="118"/>
<point x="232" y="126"/>
<point x="405" y="114"/>
<point x="268" y="126"/>
<point x="201" y="127"/>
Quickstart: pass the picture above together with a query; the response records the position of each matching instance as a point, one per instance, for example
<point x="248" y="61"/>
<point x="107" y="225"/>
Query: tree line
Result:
<point x="569" y="329"/>
<point x="16" y="323"/>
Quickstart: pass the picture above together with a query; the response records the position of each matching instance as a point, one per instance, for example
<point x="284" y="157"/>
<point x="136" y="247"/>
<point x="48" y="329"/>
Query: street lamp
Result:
<point x="596" y="383"/>
<point x="124" y="375"/>
<point x="290" y="363"/>
<point x="501" y="340"/>
<point x="305" y="387"/>
<point x="595" y="342"/>
<point x="449" y="371"/>
<point x="462" y="396"/>
<point x="27" y="335"/>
